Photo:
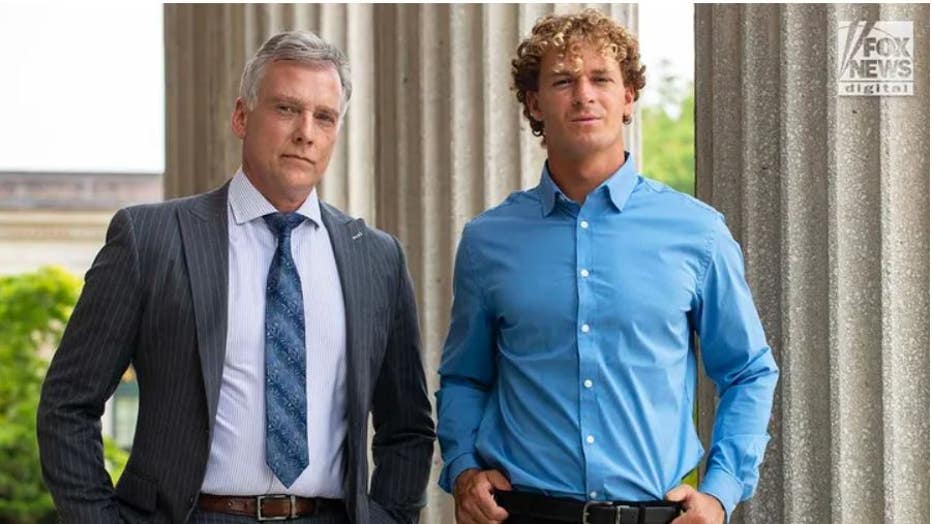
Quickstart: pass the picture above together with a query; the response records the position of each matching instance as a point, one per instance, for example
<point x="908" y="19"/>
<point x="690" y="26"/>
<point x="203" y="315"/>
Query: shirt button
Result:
<point x="593" y="495"/>
<point x="585" y="328"/>
<point x="587" y="383"/>
<point x="584" y="273"/>
<point x="590" y="439"/>
<point x="584" y="224"/>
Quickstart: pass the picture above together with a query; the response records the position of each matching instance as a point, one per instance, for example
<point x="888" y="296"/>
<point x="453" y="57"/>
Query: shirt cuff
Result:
<point x="452" y="470"/>
<point x="723" y="486"/>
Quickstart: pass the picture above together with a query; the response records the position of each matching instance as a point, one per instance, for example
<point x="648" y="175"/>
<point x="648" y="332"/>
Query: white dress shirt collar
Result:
<point x="247" y="203"/>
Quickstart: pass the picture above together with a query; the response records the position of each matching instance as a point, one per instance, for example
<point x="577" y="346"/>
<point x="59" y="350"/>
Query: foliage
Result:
<point x="34" y="308"/>
<point x="668" y="134"/>
<point x="115" y="459"/>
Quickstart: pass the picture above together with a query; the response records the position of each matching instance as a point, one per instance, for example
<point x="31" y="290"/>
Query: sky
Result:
<point x="83" y="83"/>
<point x="83" y="87"/>
<point x="665" y="33"/>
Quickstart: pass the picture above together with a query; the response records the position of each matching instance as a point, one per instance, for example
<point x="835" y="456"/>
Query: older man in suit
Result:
<point x="263" y="325"/>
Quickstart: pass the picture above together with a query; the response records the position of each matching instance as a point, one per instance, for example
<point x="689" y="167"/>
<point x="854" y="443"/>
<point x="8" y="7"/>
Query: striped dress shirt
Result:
<point x="237" y="452"/>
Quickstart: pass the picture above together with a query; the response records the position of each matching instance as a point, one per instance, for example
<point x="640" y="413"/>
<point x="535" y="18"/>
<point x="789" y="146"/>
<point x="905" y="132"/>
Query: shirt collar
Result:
<point x="619" y="186"/>
<point x="247" y="203"/>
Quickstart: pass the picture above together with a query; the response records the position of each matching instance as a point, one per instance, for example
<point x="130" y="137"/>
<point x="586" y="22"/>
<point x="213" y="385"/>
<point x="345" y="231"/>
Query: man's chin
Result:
<point x="587" y="145"/>
<point x="296" y="183"/>
<point x="298" y="176"/>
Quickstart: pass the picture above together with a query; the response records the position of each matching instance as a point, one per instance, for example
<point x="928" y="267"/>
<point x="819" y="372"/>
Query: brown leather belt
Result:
<point x="269" y="507"/>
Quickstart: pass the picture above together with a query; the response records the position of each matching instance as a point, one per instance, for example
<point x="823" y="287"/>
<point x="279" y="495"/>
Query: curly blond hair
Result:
<point x="566" y="33"/>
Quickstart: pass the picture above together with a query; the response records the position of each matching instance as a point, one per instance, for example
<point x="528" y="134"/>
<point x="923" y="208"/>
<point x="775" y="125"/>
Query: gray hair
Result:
<point x="301" y="46"/>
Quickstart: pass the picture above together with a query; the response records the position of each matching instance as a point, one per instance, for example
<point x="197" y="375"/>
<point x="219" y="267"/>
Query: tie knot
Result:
<point x="282" y="223"/>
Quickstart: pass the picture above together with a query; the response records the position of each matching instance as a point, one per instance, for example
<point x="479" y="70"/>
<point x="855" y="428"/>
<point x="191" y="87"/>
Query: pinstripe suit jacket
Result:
<point x="156" y="297"/>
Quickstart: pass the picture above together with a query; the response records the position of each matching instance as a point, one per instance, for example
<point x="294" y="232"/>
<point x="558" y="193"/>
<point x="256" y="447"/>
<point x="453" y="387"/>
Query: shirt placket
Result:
<point x="587" y="354"/>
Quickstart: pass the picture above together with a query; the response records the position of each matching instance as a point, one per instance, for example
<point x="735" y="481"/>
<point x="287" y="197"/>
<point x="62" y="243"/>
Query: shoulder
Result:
<point x="516" y="208"/>
<point x="377" y="239"/>
<point x="155" y="227"/>
<point x="678" y="205"/>
<point x="214" y="201"/>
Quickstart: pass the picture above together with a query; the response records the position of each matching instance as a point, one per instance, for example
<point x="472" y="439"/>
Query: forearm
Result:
<point x="738" y="359"/>
<point x="404" y="429"/>
<point x="460" y="405"/>
<point x="69" y="431"/>
<point x="739" y="436"/>
<point x="402" y="458"/>
<point x="467" y="369"/>
<point x="399" y="480"/>
<point x="73" y="468"/>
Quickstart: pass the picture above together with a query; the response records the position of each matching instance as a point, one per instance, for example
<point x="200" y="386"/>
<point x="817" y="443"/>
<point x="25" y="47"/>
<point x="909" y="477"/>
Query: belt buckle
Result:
<point x="618" y="508"/>
<point x="262" y="518"/>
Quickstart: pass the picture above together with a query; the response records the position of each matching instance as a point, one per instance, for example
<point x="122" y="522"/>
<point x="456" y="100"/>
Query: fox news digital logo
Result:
<point x="876" y="58"/>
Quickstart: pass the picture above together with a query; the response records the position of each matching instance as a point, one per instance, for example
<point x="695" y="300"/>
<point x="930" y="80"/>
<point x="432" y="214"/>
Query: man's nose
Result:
<point x="304" y="130"/>
<point x="583" y="91"/>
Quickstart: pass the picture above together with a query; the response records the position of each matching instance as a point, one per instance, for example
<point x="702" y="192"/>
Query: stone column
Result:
<point x="829" y="198"/>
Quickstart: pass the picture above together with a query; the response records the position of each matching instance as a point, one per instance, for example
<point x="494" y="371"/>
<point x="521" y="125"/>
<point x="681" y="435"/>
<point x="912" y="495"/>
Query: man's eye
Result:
<point x="285" y="109"/>
<point x="326" y="118"/>
<point x="561" y="82"/>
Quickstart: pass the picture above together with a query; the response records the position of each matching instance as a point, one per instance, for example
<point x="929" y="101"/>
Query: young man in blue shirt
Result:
<point x="569" y="372"/>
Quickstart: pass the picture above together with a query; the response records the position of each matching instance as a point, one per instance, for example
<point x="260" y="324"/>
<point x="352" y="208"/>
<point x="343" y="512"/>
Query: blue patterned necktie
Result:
<point x="285" y="362"/>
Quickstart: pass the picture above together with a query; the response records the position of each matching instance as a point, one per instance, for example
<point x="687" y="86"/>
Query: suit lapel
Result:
<point x="206" y="248"/>
<point x="347" y="236"/>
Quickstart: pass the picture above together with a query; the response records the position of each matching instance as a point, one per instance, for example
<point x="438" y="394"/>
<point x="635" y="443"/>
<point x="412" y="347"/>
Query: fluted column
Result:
<point x="206" y="47"/>
<point x="828" y="197"/>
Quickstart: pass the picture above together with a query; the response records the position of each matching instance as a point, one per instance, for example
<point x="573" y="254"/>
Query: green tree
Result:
<point x="668" y="131"/>
<point x="34" y="308"/>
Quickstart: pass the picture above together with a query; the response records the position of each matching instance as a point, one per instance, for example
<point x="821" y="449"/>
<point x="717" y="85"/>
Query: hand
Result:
<point x="472" y="493"/>
<point x="700" y="508"/>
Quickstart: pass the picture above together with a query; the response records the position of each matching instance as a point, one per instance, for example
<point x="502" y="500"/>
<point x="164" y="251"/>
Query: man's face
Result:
<point x="582" y="101"/>
<point x="288" y="137"/>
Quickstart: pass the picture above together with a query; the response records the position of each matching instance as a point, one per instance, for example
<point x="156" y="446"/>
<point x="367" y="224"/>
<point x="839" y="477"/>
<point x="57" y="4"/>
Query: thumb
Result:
<point x="679" y="493"/>
<point x="498" y="480"/>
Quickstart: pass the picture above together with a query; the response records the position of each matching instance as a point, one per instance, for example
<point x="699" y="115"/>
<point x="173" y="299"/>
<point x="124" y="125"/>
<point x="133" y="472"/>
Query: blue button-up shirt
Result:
<point x="570" y="364"/>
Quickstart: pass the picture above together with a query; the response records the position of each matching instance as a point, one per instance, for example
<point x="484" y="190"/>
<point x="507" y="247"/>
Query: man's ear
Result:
<point x="629" y="99"/>
<point x="533" y="105"/>
<point x="239" y="117"/>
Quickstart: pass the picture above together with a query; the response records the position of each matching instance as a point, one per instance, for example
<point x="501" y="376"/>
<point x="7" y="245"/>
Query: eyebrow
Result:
<point x="297" y="102"/>
<point x="287" y="100"/>
<point x="329" y="111"/>
<point x="566" y="72"/>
